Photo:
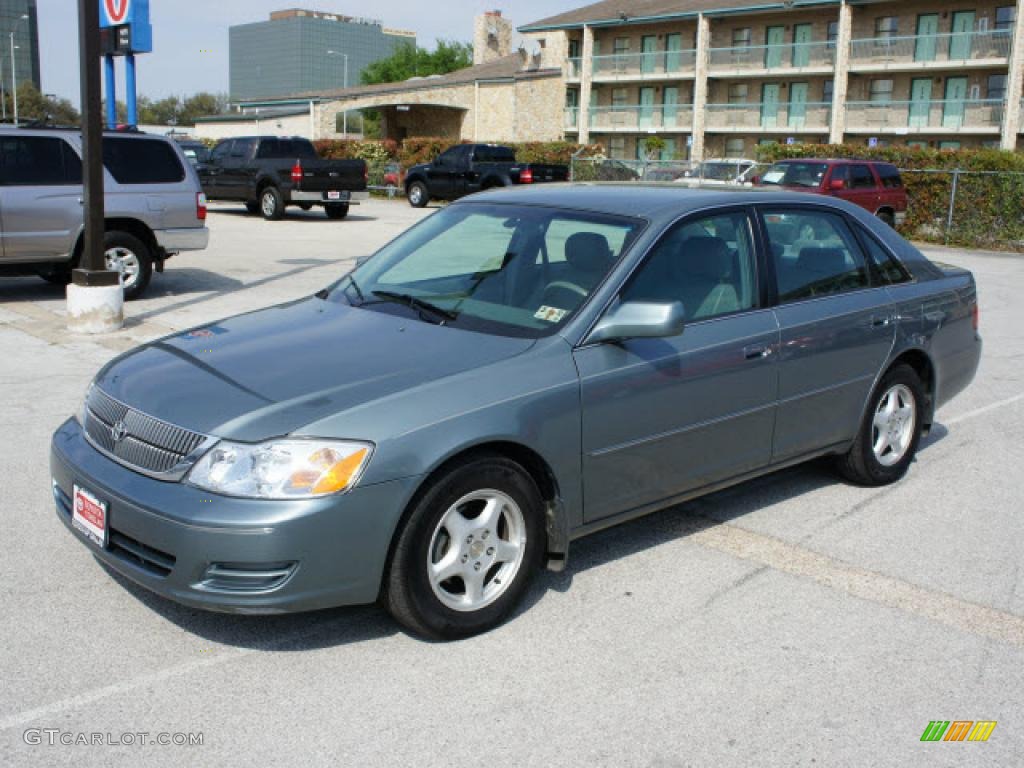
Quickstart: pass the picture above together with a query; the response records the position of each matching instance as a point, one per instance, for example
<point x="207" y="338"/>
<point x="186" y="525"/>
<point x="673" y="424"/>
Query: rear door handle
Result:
<point x="757" y="351"/>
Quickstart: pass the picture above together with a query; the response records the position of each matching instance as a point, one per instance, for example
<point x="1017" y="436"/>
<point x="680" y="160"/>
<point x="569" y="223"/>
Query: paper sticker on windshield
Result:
<point x="773" y="177"/>
<point x="551" y="314"/>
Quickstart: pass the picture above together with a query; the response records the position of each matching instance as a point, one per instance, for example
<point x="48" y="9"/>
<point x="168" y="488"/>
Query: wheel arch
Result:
<point x="536" y="467"/>
<point x="127" y="224"/>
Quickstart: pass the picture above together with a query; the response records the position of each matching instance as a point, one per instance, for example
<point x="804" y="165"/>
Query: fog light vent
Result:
<point x="246" y="577"/>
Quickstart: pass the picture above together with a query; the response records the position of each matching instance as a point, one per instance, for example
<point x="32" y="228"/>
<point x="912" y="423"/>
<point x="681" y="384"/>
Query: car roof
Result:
<point x="42" y="130"/>
<point x="833" y="160"/>
<point x="654" y="202"/>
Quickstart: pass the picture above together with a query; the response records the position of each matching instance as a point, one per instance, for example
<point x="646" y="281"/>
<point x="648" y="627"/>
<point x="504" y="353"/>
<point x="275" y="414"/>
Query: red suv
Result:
<point x="876" y="187"/>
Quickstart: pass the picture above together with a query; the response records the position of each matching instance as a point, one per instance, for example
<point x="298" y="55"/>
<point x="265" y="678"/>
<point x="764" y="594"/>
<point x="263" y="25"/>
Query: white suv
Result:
<point x="153" y="204"/>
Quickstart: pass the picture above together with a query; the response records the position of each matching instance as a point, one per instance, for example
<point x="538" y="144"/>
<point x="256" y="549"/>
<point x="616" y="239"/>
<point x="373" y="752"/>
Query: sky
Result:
<point x="190" y="37"/>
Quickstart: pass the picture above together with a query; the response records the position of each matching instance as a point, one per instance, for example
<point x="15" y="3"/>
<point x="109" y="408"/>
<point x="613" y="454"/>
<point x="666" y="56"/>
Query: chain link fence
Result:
<point x="964" y="208"/>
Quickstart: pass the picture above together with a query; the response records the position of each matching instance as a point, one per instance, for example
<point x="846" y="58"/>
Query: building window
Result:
<point x="949" y="145"/>
<point x="887" y="26"/>
<point x="832" y="34"/>
<point x="574" y="48"/>
<point x="734" y="147"/>
<point x="620" y="97"/>
<point x="996" y="87"/>
<point x="737" y="93"/>
<point x="741" y="38"/>
<point x="917" y="144"/>
<point x="880" y="90"/>
<point x="621" y="46"/>
<point x="617" y="148"/>
<point x="1005" y="16"/>
<point x="826" y="91"/>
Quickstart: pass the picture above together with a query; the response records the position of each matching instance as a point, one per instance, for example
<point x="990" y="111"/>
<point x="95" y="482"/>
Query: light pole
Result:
<point x="344" y="115"/>
<point x="14" y="68"/>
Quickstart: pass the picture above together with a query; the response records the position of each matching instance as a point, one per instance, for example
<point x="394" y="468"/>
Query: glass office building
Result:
<point x="289" y="53"/>
<point x="19" y="16"/>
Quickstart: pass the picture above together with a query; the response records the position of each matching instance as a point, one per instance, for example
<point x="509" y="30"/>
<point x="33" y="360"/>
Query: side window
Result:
<point x="142" y="161"/>
<point x="242" y="149"/>
<point x="815" y="254"/>
<point x="221" y="152"/>
<point x="889" y="176"/>
<point x="707" y="263"/>
<point x="888" y="267"/>
<point x="841" y="173"/>
<point x="38" y="160"/>
<point x="449" y="156"/>
<point x="861" y="178"/>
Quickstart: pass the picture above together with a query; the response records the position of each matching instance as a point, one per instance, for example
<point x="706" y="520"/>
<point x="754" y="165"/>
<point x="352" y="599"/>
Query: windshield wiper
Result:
<point x="416" y="303"/>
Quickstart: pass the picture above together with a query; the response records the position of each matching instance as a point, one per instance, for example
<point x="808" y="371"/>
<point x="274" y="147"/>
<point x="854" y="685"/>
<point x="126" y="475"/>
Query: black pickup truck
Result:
<point x="469" y="168"/>
<point x="268" y="173"/>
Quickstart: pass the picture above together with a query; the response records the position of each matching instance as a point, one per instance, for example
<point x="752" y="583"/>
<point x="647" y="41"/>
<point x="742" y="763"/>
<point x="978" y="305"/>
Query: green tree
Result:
<point x="202" y="104"/>
<point x="161" y="112"/>
<point x="33" y="105"/>
<point x="413" y="61"/>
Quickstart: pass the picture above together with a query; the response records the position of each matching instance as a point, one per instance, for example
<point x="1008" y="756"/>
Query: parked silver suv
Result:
<point x="154" y="206"/>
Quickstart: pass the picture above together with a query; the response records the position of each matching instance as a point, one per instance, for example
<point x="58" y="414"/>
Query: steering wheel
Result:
<point x="565" y="286"/>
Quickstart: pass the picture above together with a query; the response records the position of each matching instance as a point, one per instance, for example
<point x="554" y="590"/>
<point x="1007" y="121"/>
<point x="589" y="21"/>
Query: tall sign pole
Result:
<point x="95" y="296"/>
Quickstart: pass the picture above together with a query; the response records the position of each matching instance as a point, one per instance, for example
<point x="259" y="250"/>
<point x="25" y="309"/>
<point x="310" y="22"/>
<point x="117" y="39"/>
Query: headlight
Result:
<point x="281" y="469"/>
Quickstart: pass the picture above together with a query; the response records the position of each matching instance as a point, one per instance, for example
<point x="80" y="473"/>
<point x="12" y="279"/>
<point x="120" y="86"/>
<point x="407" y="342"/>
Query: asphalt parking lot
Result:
<point x="795" y="620"/>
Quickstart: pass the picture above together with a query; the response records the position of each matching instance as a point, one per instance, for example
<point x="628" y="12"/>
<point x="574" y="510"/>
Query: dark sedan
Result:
<point x="520" y="369"/>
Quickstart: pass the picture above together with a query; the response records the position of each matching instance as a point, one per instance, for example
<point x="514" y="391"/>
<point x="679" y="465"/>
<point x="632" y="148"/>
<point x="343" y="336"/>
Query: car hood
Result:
<point x="270" y="372"/>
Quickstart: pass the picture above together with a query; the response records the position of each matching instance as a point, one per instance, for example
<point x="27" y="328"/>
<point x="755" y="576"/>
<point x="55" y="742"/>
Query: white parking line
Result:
<point x="984" y="409"/>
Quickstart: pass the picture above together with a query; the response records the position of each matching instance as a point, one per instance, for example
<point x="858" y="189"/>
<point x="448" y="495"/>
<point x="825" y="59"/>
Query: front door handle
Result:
<point x="881" y="321"/>
<point x="757" y="351"/>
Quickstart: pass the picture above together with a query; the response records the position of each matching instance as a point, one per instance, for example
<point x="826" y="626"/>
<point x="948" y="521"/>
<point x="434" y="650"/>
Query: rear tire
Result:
<point x="890" y="433"/>
<point x="467" y="552"/>
<point x="336" y="210"/>
<point x="126" y="254"/>
<point x="271" y="204"/>
<point x="418" y="194"/>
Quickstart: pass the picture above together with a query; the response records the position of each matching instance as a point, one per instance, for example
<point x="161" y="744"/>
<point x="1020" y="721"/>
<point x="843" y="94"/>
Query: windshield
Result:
<point x="503" y="269"/>
<point x="795" y="174"/>
<point x="286" y="148"/>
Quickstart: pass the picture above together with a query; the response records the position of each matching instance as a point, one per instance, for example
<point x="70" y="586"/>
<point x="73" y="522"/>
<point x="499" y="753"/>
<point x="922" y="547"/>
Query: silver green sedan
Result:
<point x="518" y="370"/>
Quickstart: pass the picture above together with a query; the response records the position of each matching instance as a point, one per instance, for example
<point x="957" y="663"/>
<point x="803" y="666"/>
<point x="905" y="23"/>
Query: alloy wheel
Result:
<point x="893" y="425"/>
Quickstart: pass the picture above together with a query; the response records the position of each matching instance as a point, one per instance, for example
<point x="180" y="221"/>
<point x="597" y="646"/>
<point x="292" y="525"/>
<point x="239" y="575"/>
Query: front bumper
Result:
<point x="321" y="197"/>
<point x="227" y="554"/>
<point x="185" y="239"/>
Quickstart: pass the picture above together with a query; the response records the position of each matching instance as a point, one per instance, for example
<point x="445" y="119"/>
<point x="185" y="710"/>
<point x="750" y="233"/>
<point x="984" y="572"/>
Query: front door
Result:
<point x="960" y="42"/>
<point x="673" y="52"/>
<point x="953" y="106"/>
<point x="670" y="111"/>
<point x="797" y="105"/>
<point x="646" y="108"/>
<point x="927" y="29"/>
<point x="665" y="416"/>
<point x="441" y="173"/>
<point x="769" y="105"/>
<point x="801" y="45"/>
<point x="836" y="329"/>
<point x="40" y="198"/>
<point x="920" y="101"/>
<point x="648" y="55"/>
<point x="774" y="38"/>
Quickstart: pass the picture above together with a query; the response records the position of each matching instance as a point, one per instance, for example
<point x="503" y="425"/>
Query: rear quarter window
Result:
<point x="142" y="161"/>
<point x="889" y="176"/>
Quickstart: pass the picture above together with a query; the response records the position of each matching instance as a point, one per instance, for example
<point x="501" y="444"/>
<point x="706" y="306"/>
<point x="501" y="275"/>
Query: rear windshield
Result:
<point x="795" y="174"/>
<point x="286" y="148"/>
<point x="494" y="155"/>
<point x="142" y="161"/>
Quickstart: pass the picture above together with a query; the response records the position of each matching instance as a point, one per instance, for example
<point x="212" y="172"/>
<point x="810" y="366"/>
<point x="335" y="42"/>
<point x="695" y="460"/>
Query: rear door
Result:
<point x="239" y="170"/>
<point x="40" y="198"/>
<point x="664" y="416"/>
<point x="836" y="327"/>
<point x="212" y="175"/>
<point x="441" y="173"/>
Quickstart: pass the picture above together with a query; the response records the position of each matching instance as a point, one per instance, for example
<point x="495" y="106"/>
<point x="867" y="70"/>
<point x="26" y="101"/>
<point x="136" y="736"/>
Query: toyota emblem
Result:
<point x="119" y="431"/>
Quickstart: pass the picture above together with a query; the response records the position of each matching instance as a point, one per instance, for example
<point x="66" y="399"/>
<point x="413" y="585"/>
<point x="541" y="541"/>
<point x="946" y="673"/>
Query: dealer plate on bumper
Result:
<point x="89" y="515"/>
<point x="336" y="195"/>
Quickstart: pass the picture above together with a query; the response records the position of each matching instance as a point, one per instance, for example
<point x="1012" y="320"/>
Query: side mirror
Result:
<point x="640" y="320"/>
<point x="837" y="184"/>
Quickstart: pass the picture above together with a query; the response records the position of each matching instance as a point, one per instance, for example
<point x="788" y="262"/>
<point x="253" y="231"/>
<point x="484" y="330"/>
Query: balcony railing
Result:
<point x="645" y="64"/>
<point x="924" y="115"/>
<point x="642" y="117"/>
<point x="921" y="49"/>
<point x="770" y="116"/>
<point x="572" y="118"/>
<point x="781" y="56"/>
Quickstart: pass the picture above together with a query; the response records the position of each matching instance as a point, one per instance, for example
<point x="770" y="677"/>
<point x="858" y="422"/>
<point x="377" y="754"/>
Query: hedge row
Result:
<point x="417" y="150"/>
<point x="988" y="210"/>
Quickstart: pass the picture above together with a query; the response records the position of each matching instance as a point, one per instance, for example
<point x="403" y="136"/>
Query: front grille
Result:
<point x="141" y="442"/>
<point x="141" y="555"/>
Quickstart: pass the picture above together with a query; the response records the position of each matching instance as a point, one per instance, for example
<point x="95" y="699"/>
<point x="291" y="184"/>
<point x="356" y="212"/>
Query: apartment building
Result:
<point x="718" y="77"/>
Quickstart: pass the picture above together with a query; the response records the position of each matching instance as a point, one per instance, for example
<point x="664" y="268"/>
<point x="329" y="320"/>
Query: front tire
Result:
<point x="271" y="203"/>
<point x="336" y="210"/>
<point x="890" y="433"/>
<point x="468" y="550"/>
<point x="418" y="194"/>
<point x="128" y="255"/>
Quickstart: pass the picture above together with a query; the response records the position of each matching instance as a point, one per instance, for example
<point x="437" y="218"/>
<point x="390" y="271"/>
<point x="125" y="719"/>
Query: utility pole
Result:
<point x="95" y="296"/>
<point x="14" y="67"/>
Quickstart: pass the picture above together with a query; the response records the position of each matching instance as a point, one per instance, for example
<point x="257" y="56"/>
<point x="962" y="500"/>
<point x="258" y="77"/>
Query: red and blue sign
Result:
<point x="133" y="14"/>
